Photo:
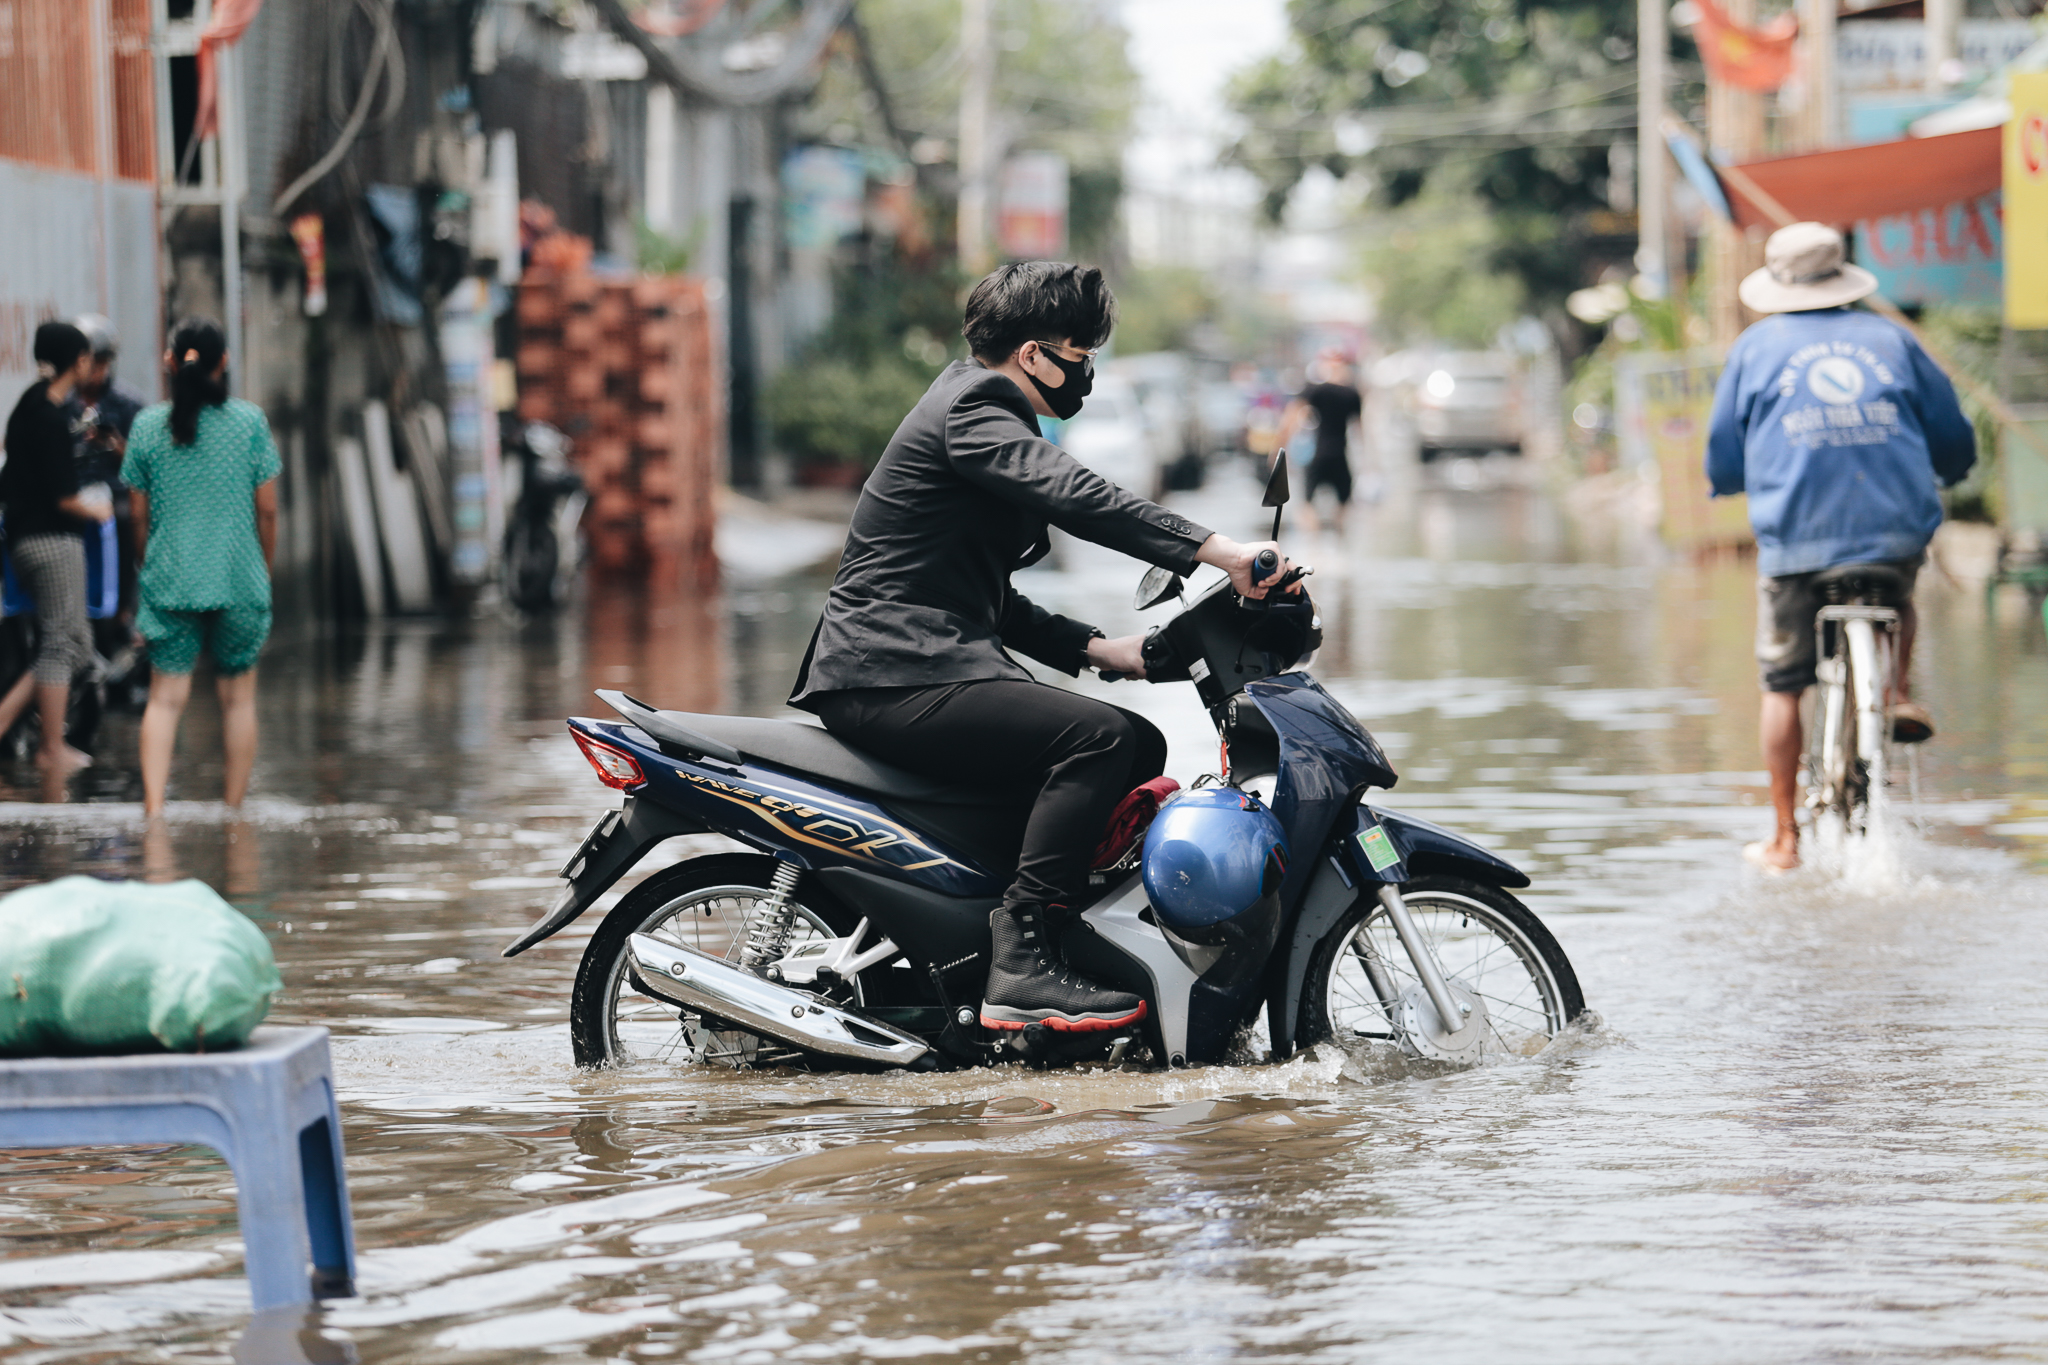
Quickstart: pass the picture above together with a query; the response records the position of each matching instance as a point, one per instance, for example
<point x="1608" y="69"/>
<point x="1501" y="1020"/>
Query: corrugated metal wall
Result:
<point x="56" y="58"/>
<point x="78" y="229"/>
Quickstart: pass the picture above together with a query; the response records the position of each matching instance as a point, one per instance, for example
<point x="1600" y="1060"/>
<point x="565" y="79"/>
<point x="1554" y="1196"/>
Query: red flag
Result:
<point x="1752" y="58"/>
<point x="231" y="18"/>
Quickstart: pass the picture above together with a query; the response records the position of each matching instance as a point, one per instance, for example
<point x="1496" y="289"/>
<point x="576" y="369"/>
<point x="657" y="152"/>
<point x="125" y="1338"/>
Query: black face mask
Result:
<point x="1066" y="400"/>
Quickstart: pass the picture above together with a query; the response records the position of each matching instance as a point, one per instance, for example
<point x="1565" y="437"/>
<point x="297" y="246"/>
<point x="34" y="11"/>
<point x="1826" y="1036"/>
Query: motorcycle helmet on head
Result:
<point x="1214" y="860"/>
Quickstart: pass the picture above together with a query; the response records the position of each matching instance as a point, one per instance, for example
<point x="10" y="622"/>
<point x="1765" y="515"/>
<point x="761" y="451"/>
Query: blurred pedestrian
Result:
<point x="46" y="520"/>
<point x="101" y="410"/>
<point x="1838" y="426"/>
<point x="1332" y="398"/>
<point x="203" y="473"/>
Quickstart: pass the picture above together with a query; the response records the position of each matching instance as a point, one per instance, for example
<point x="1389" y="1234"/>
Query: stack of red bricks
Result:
<point x="625" y="368"/>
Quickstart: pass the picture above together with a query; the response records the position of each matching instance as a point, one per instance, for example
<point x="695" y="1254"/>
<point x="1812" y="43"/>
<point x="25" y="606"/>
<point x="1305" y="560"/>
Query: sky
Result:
<point x="1185" y="51"/>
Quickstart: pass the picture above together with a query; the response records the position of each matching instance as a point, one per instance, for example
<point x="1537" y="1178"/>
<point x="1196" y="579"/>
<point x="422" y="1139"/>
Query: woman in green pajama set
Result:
<point x="203" y="473"/>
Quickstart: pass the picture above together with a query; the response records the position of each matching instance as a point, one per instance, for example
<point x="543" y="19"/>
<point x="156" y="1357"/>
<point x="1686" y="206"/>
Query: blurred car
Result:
<point x="1221" y="408"/>
<point x="1165" y="382"/>
<point x="1111" y="436"/>
<point x="1466" y="401"/>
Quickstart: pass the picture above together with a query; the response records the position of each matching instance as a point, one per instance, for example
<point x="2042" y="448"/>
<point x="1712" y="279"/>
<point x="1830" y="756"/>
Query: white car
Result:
<point x="1111" y="437"/>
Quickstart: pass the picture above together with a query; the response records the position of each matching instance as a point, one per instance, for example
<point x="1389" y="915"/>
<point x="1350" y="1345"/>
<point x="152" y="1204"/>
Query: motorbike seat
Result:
<point x="804" y="748"/>
<point x="1873" y="585"/>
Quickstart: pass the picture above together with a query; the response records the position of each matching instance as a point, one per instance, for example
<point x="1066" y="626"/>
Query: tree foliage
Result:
<point x="1064" y="83"/>
<point x="1512" y="103"/>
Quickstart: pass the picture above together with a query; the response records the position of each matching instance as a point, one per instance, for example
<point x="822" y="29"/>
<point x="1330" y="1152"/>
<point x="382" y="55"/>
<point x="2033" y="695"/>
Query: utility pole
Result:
<point x="1817" y="32"/>
<point x="1653" y="75"/>
<point x="977" y="94"/>
<point x="1735" y="130"/>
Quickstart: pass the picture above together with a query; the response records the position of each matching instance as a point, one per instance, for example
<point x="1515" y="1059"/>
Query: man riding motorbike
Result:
<point x="911" y="661"/>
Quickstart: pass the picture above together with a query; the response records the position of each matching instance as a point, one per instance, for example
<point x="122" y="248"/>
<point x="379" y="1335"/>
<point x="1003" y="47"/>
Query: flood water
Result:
<point x="1811" y="1124"/>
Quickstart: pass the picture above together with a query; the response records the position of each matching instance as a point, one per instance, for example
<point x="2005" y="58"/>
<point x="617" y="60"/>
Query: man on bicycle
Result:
<point x="1838" y="426"/>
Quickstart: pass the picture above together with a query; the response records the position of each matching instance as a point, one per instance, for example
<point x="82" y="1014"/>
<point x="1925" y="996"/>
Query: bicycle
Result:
<point x="1849" y="769"/>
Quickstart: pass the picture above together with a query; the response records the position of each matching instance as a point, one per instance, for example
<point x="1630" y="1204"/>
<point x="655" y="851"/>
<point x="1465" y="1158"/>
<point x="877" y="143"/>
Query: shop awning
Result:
<point x="1854" y="184"/>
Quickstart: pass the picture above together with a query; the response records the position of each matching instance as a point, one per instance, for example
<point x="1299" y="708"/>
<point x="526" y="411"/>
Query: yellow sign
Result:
<point x="1664" y="400"/>
<point x="2026" y="202"/>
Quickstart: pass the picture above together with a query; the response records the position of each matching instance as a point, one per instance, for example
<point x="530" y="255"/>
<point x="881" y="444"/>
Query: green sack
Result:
<point x="88" y="966"/>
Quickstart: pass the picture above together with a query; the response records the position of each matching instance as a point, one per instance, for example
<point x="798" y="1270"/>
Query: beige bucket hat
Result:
<point x="1805" y="267"/>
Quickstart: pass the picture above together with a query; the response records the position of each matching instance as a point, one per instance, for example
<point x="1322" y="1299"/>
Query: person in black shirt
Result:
<point x="911" y="660"/>
<point x="1333" y="399"/>
<point x="45" y="516"/>
<point x="100" y="410"/>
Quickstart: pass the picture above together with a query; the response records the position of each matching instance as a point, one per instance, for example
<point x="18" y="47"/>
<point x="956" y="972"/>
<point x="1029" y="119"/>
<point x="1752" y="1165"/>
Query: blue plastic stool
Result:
<point x="268" y="1108"/>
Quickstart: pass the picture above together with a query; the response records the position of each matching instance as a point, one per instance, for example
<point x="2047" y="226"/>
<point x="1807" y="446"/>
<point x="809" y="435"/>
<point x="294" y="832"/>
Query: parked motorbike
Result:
<point x="540" y="535"/>
<point x="855" y="934"/>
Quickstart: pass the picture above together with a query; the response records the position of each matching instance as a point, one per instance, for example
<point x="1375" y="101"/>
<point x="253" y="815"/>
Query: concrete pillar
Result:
<point x="1653" y="163"/>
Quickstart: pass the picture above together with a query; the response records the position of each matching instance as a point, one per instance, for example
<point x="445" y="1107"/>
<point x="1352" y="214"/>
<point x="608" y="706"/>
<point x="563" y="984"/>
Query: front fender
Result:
<point x="1387" y="846"/>
<point x="1368" y="848"/>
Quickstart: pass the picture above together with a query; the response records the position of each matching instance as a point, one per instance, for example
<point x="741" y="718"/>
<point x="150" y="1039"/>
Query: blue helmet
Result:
<point x="1211" y="857"/>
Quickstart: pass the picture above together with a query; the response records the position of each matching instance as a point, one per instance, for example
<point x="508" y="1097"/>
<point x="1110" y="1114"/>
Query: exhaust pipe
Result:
<point x="708" y="985"/>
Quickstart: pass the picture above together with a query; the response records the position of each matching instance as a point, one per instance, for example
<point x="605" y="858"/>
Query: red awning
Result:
<point x="1852" y="184"/>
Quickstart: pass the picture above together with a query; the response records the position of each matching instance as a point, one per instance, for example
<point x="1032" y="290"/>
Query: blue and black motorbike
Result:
<point x="852" y="931"/>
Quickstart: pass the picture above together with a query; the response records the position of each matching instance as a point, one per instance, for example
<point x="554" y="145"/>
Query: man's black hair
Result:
<point x="1038" y="301"/>
<point x="58" y="345"/>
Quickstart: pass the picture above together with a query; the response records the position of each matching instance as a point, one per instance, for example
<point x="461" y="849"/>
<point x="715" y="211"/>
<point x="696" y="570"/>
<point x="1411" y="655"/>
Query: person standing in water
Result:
<point x="202" y="472"/>
<point x="101" y="411"/>
<point x="1334" y="399"/>
<point x="46" y="520"/>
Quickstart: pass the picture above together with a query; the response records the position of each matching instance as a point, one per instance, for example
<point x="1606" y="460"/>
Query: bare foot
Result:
<point x="68" y="759"/>
<point x="1778" y="854"/>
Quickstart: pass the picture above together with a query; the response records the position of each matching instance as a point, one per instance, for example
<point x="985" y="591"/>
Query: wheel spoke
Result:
<point x="1475" y="946"/>
<point x="712" y="921"/>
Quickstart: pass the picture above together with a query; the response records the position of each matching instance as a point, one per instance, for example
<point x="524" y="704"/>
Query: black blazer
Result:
<point x="961" y="498"/>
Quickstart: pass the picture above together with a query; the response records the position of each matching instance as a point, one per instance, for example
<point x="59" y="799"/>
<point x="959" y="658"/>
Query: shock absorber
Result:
<point x="773" y="918"/>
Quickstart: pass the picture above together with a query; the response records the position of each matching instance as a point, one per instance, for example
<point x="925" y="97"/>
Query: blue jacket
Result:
<point x="1837" y="425"/>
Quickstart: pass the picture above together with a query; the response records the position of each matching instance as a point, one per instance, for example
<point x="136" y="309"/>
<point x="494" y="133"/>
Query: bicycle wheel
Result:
<point x="1870" y="671"/>
<point x="1833" y="774"/>
<point x="1486" y="942"/>
<point x="701" y="904"/>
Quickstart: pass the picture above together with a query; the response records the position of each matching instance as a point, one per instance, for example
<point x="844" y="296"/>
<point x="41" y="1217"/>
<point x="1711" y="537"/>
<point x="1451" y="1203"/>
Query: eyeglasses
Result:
<point x="1078" y="353"/>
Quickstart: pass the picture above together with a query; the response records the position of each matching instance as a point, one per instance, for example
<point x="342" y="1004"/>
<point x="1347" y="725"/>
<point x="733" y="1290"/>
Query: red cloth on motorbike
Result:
<point x="1129" y="821"/>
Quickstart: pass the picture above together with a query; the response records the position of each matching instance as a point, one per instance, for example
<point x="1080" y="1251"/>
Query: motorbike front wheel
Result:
<point x="702" y="904"/>
<point x="1485" y="942"/>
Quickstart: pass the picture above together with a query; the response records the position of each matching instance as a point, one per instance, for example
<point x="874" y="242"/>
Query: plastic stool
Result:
<point x="268" y="1108"/>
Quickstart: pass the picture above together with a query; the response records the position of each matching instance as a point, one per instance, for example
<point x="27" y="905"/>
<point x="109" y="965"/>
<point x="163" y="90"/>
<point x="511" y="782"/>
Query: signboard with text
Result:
<point x="1663" y="400"/>
<point x="2026" y="202"/>
<point x="1031" y="207"/>
<point x="1951" y="254"/>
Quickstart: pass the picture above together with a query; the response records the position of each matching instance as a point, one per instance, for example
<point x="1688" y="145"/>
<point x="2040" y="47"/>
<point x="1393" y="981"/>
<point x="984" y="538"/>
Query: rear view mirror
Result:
<point x="1276" y="484"/>
<point x="1155" y="587"/>
<point x="1276" y="489"/>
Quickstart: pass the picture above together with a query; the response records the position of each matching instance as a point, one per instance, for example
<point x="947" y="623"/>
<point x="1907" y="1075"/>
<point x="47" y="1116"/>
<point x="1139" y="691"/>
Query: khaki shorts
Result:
<point x="1787" y="649"/>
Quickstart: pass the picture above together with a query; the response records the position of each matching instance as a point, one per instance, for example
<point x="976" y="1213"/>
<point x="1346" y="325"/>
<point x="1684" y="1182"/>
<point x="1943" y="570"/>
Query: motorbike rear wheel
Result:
<point x="701" y="904"/>
<point x="1485" y="941"/>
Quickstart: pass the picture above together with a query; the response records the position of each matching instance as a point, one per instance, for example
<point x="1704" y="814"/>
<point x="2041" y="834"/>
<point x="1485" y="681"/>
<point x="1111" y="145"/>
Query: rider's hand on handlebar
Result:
<point x="1237" y="559"/>
<point x="1124" y="655"/>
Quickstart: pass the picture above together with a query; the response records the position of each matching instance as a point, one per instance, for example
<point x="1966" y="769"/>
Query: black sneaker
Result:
<point x="1028" y="984"/>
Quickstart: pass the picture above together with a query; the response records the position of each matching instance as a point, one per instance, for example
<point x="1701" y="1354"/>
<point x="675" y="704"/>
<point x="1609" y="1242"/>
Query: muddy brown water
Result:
<point x="1808" y="1126"/>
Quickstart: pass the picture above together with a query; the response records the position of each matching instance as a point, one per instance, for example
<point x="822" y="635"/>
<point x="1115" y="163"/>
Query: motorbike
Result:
<point x="540" y="534"/>
<point x="853" y="932"/>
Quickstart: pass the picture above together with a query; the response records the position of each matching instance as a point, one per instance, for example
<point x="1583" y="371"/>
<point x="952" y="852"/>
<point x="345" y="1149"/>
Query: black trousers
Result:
<point x="1082" y="756"/>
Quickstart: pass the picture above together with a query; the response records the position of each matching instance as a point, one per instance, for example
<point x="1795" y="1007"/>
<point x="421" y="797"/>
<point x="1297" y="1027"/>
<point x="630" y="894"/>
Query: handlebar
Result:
<point x="1264" y="565"/>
